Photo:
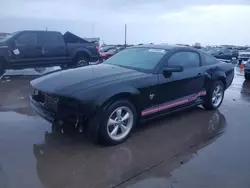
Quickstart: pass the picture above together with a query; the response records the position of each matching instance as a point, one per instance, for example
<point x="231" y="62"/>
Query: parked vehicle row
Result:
<point x="30" y="49"/>
<point x="244" y="55"/>
<point x="108" y="51"/>
<point x="229" y="53"/>
<point x="223" y="53"/>
<point x="137" y="84"/>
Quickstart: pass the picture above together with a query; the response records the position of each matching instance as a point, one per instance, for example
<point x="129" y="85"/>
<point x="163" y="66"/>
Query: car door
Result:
<point x="54" y="49"/>
<point x="26" y="52"/>
<point x="179" y="87"/>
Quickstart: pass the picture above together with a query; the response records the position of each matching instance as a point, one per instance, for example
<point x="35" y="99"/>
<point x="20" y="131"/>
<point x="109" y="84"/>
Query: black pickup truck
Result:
<point x="31" y="49"/>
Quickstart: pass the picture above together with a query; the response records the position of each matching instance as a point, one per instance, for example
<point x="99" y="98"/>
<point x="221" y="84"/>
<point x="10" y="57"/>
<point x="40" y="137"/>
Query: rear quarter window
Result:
<point x="210" y="60"/>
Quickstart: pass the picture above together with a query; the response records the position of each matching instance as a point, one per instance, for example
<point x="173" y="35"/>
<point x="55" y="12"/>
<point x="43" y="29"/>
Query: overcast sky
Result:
<point x="157" y="21"/>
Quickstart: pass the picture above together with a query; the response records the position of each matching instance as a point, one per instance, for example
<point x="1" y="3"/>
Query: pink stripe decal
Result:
<point x="173" y="104"/>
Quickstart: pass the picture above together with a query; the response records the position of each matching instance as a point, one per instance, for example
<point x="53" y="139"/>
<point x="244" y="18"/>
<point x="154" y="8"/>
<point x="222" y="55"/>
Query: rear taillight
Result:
<point x="98" y="48"/>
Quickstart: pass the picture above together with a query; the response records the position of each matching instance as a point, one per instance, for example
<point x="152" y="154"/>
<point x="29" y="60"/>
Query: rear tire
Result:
<point x="117" y="123"/>
<point x="81" y="61"/>
<point x="215" y="96"/>
<point x="63" y="66"/>
<point x="40" y="70"/>
<point x="247" y="76"/>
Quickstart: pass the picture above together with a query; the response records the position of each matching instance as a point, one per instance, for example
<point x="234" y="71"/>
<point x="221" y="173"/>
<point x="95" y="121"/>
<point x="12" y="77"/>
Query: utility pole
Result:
<point x="125" y="35"/>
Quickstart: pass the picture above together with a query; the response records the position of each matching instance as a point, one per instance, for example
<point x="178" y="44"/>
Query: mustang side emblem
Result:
<point x="151" y="96"/>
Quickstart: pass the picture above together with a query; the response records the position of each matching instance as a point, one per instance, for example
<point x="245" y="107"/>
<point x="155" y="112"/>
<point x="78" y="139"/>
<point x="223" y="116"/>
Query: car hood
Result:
<point x="67" y="82"/>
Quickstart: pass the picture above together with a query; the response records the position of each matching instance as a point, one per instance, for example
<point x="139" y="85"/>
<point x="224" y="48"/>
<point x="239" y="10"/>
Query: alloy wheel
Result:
<point x="217" y="95"/>
<point x="120" y="123"/>
<point x="82" y="62"/>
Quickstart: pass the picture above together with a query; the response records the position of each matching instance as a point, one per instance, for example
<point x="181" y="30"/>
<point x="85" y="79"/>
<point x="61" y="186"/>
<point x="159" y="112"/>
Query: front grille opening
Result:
<point x="39" y="97"/>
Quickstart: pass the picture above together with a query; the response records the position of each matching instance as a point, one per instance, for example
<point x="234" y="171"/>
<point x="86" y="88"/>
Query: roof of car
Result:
<point x="163" y="46"/>
<point x="39" y="31"/>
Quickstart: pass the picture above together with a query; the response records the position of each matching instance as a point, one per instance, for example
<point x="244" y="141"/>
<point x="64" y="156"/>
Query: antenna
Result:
<point x="125" y="35"/>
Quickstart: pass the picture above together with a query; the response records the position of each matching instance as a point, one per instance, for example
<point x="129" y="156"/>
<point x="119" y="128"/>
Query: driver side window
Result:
<point x="26" y="39"/>
<point x="185" y="59"/>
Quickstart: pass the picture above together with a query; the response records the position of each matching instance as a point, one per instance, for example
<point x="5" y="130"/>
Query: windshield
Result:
<point x="247" y="50"/>
<point x="137" y="58"/>
<point x="6" y="37"/>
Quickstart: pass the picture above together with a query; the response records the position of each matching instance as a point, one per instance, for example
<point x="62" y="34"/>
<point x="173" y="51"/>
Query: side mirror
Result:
<point x="167" y="72"/>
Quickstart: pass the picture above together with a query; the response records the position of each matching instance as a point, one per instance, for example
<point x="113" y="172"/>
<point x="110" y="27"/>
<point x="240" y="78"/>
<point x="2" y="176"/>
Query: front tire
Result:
<point x="215" y="96"/>
<point x="63" y="67"/>
<point x="117" y="123"/>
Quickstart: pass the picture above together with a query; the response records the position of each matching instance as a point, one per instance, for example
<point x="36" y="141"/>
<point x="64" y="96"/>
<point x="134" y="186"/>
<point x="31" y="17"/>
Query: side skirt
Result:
<point x="161" y="114"/>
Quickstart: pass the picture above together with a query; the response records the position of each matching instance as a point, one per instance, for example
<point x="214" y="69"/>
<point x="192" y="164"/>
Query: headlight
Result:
<point x="53" y="97"/>
<point x="35" y="92"/>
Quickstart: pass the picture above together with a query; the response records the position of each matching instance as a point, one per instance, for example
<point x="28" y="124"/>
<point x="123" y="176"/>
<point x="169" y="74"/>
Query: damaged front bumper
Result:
<point x="54" y="108"/>
<point x="40" y="110"/>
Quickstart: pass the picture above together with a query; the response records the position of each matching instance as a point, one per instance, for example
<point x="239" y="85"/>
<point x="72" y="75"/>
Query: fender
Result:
<point x="90" y="103"/>
<point x="219" y="75"/>
<point x="104" y="99"/>
<point x="117" y="92"/>
<point x="81" y="50"/>
<point x="213" y="75"/>
<point x="4" y="52"/>
<point x="4" y="61"/>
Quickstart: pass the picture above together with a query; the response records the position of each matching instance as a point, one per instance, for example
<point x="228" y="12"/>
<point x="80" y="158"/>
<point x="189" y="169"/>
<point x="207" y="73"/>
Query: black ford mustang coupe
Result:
<point x="136" y="84"/>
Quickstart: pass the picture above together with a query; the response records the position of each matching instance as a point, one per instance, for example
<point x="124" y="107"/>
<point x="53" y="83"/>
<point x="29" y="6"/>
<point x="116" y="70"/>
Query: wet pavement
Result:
<point x="193" y="148"/>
